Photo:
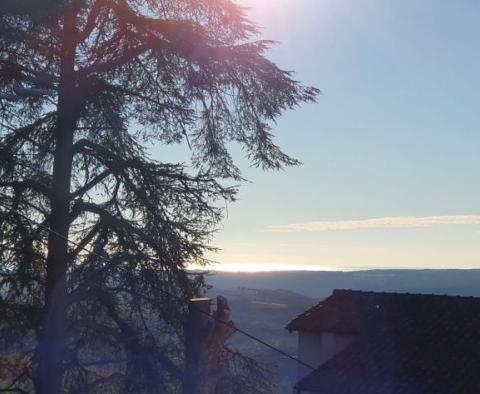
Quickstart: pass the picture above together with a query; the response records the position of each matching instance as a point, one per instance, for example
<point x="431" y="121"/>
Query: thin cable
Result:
<point x="243" y="332"/>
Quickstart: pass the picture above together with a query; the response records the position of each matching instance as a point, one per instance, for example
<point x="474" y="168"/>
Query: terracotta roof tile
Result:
<point x="405" y="343"/>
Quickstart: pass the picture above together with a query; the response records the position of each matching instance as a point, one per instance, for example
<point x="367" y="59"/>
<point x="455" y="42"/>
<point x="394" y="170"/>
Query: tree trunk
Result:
<point x="52" y="339"/>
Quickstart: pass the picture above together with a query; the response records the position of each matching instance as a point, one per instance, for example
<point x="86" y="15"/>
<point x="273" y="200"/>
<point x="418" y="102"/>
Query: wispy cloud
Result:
<point x="378" y="223"/>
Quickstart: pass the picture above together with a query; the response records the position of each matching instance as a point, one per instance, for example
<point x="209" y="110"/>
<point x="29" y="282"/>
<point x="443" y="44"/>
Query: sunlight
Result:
<point x="252" y="267"/>
<point x="277" y="20"/>
<point x="262" y="11"/>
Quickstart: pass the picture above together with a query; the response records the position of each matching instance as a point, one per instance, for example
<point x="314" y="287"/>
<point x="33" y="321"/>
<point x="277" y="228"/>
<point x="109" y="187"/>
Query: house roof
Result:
<point x="405" y="343"/>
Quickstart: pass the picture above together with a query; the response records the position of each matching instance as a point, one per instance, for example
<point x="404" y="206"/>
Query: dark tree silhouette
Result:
<point x="84" y="91"/>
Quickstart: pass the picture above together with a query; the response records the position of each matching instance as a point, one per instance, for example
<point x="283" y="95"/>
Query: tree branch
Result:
<point x="90" y="24"/>
<point x="28" y="184"/>
<point x="89" y="185"/>
<point x="85" y="241"/>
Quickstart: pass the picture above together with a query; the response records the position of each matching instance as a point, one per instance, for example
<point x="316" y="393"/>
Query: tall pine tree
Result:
<point x="85" y="89"/>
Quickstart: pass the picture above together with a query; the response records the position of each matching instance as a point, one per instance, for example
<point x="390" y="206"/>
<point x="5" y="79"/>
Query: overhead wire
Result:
<point x="239" y="330"/>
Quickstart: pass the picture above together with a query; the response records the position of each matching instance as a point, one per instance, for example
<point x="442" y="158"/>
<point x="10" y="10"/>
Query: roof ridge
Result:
<point x="340" y="296"/>
<point x="305" y="313"/>
<point x="399" y="293"/>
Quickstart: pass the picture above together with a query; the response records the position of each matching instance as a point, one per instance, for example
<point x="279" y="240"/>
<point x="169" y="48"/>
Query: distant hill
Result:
<point x="319" y="284"/>
<point x="263" y="303"/>
<point x="265" y="313"/>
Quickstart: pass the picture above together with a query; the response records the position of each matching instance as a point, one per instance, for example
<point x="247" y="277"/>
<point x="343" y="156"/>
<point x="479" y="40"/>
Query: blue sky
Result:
<point x="394" y="134"/>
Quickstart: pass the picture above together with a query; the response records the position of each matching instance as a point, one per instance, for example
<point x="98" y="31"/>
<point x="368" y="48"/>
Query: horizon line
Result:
<point x="248" y="268"/>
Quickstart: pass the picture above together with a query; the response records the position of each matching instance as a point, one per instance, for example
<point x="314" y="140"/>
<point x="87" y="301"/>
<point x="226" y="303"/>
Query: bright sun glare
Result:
<point x="252" y="268"/>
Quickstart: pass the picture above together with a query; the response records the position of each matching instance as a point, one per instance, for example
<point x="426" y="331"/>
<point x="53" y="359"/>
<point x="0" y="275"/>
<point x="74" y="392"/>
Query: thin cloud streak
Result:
<point x="378" y="223"/>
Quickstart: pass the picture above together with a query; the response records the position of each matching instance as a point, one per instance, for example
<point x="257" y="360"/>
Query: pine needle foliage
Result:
<point x="86" y="88"/>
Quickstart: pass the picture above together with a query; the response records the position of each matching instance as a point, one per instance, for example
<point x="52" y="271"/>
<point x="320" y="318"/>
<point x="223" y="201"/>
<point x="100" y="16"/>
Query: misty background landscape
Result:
<point x="262" y="303"/>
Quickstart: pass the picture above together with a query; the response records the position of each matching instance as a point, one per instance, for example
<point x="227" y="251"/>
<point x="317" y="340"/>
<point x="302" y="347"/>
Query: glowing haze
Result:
<point x="390" y="152"/>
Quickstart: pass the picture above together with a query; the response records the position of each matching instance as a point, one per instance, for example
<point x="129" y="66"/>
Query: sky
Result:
<point x="390" y="152"/>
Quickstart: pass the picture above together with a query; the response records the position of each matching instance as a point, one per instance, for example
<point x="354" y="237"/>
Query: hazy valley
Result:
<point x="263" y="303"/>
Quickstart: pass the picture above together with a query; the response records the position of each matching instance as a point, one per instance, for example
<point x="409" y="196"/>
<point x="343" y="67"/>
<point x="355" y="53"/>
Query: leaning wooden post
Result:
<point x="195" y="352"/>
<point x="206" y="335"/>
